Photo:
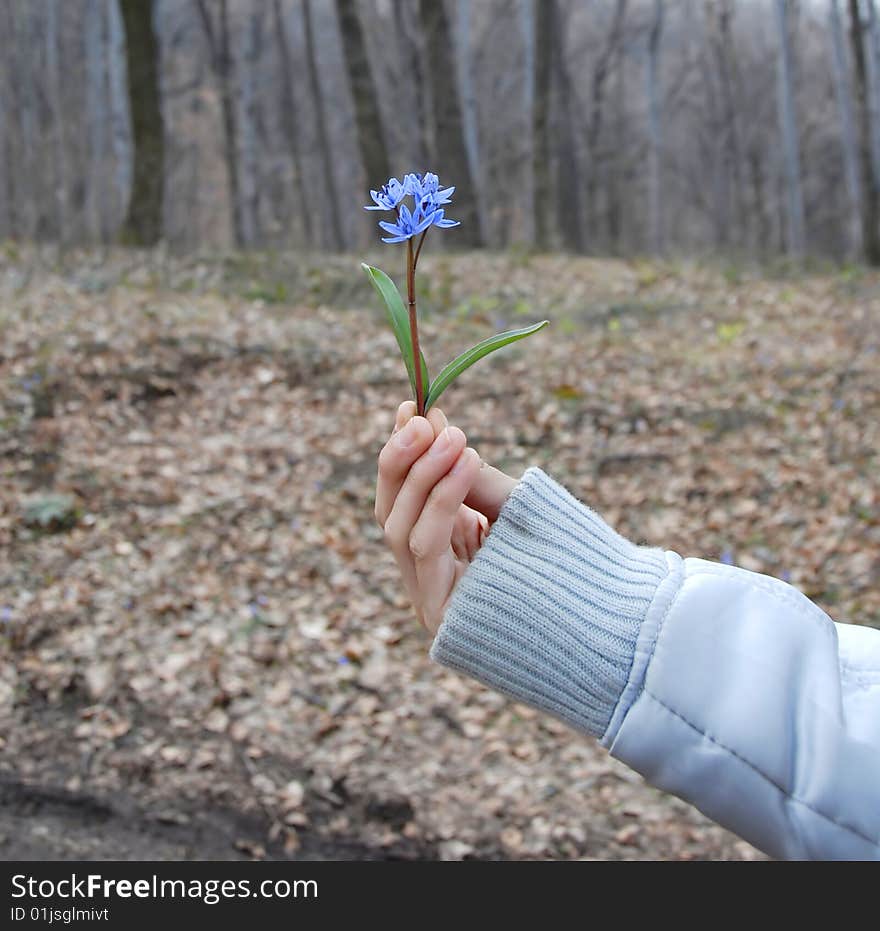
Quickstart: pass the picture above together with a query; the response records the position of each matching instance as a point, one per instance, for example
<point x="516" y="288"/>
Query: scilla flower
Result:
<point x="428" y="184"/>
<point x="389" y="197"/>
<point x="427" y="211"/>
<point x="408" y="224"/>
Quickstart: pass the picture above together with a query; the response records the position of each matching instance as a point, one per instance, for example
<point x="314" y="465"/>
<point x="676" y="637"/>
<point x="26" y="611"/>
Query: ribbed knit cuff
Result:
<point x="549" y="611"/>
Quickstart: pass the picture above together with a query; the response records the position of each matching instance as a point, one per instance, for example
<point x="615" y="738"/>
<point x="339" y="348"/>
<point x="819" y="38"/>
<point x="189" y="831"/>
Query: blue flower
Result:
<point x="427" y="185"/>
<point x="412" y="184"/>
<point x="428" y="199"/>
<point x="431" y="186"/>
<point x="428" y="209"/>
<point x="389" y="197"/>
<point x="407" y="225"/>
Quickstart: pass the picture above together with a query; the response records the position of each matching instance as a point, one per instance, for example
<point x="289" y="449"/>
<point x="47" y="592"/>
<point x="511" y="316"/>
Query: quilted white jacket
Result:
<point x="727" y="688"/>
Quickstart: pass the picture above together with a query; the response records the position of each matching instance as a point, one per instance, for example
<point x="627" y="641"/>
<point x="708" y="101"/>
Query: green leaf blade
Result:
<point x="398" y="317"/>
<point x="458" y="365"/>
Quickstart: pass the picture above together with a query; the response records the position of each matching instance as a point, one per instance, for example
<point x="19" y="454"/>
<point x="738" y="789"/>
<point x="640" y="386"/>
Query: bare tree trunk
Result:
<point x="871" y="33"/>
<point x="450" y="150"/>
<point x="411" y="49"/>
<point x="615" y="174"/>
<point x="120" y="126"/>
<point x="796" y="240"/>
<point x="544" y="18"/>
<point x="469" y="109"/>
<point x="759" y="194"/>
<point x="570" y="211"/>
<point x="655" y="131"/>
<point x="847" y="125"/>
<point x="220" y="55"/>
<point x="290" y="119"/>
<point x="333" y="207"/>
<point x="715" y="137"/>
<point x="97" y="118"/>
<point x="527" y="27"/>
<point x="7" y="205"/>
<point x="18" y="135"/>
<point x="601" y="71"/>
<point x="731" y="138"/>
<point x="371" y="136"/>
<point x="143" y="222"/>
<point x="870" y="199"/>
<point x="247" y="119"/>
<point x="57" y="121"/>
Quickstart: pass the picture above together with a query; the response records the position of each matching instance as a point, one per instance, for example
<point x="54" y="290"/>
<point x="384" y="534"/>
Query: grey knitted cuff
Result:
<point x="549" y="610"/>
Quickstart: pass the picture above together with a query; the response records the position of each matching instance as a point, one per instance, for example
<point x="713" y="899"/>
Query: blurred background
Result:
<point x="205" y="647"/>
<point x="611" y="127"/>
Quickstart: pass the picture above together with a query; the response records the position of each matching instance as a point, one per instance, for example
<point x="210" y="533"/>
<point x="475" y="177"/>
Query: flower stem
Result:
<point x="419" y="249"/>
<point x="414" y="326"/>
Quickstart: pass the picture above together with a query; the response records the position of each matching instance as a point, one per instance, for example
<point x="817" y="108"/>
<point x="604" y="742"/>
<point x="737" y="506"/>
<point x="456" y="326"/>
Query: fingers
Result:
<point x="405" y="413"/>
<point x="490" y="490"/>
<point x="438" y="420"/>
<point x="397" y="456"/>
<point x="430" y="537"/>
<point x="469" y="532"/>
<point x="491" y="487"/>
<point x="394" y="463"/>
<point x="418" y="485"/>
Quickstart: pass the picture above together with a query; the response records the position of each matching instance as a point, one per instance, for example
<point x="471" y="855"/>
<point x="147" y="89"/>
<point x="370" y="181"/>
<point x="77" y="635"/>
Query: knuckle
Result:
<point x="417" y="547"/>
<point x="423" y="472"/>
<point x="386" y="458"/>
<point x="441" y="496"/>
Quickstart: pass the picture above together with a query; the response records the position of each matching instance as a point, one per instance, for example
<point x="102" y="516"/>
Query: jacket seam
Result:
<point x="655" y="640"/>
<point x="859" y="670"/>
<point x="787" y="795"/>
<point x="795" y="600"/>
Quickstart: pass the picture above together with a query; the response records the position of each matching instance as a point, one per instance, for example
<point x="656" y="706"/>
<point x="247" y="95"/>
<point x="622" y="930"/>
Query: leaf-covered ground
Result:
<point x="204" y="648"/>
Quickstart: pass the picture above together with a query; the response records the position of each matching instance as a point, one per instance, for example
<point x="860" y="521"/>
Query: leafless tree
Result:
<point x="870" y="193"/>
<point x="143" y="222"/>
<point x="655" y="129"/>
<point x="796" y="240"/>
<point x="331" y="202"/>
<point x="290" y="117"/>
<point x="602" y="126"/>
<point x="450" y="150"/>
<point x="849" y="144"/>
<point x="371" y="135"/>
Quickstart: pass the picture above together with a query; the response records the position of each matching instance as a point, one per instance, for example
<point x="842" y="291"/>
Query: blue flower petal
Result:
<point x="426" y="211"/>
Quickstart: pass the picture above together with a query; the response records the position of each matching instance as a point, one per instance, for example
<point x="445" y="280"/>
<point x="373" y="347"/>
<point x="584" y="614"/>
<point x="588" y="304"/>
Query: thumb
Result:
<point x="490" y="490"/>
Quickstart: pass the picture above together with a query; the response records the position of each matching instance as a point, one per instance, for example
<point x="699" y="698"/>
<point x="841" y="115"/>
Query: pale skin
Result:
<point x="436" y="500"/>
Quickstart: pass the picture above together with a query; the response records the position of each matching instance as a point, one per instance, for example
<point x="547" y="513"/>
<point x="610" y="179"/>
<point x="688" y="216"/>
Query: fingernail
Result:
<point x="441" y="444"/>
<point x="406" y="437"/>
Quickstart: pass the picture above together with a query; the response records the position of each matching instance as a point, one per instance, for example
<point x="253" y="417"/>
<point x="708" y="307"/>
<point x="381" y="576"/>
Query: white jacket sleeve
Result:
<point x="727" y="688"/>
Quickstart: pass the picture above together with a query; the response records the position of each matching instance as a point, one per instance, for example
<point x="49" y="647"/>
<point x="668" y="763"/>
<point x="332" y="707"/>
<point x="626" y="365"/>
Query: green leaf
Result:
<point x="474" y="354"/>
<point x="399" y="320"/>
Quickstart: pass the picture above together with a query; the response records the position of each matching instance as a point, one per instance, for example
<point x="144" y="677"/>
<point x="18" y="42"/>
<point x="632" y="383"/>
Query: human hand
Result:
<point x="436" y="501"/>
